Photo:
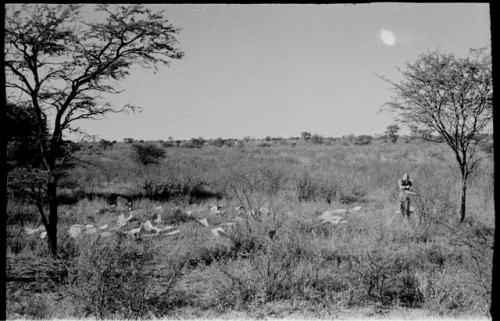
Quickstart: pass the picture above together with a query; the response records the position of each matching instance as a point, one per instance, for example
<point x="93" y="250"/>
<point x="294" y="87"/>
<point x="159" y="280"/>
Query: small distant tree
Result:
<point x="105" y="144"/>
<point x="451" y="96"/>
<point x="197" y="142"/>
<point x="148" y="153"/>
<point x="218" y="142"/>
<point x="391" y="133"/>
<point x="305" y="136"/>
<point x="363" y="140"/>
<point x="316" y="139"/>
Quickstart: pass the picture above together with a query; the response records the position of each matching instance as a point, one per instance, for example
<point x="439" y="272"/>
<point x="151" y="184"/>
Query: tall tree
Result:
<point x="60" y="66"/>
<point x="451" y="96"/>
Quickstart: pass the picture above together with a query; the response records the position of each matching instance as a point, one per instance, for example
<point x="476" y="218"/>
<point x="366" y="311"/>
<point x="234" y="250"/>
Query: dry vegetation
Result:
<point x="278" y="258"/>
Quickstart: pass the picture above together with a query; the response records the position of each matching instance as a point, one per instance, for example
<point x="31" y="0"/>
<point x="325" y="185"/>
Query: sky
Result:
<point x="280" y="69"/>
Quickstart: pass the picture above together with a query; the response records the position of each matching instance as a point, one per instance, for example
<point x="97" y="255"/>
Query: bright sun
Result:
<point x="388" y="37"/>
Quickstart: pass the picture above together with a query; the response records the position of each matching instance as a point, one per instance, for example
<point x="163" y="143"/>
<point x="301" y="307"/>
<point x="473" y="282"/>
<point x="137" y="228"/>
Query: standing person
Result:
<point x="405" y="185"/>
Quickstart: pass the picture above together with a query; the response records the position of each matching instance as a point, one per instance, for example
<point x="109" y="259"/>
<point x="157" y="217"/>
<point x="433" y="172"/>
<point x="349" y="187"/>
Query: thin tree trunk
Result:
<point x="52" y="226"/>
<point x="463" y="198"/>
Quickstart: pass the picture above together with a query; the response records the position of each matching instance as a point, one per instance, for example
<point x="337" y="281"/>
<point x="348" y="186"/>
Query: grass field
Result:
<point x="275" y="257"/>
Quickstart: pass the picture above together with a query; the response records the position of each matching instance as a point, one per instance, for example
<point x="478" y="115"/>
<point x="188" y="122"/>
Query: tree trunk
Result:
<point x="52" y="226"/>
<point x="462" y="199"/>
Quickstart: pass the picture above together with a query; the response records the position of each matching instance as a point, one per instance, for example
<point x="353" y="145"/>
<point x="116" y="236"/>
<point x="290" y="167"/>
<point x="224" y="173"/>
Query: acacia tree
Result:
<point x="391" y="133"/>
<point x="451" y="96"/>
<point x="60" y="66"/>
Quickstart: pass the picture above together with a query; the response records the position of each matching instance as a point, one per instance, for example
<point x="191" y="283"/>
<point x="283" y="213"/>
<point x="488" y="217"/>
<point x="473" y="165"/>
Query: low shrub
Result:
<point x="120" y="278"/>
<point x="307" y="187"/>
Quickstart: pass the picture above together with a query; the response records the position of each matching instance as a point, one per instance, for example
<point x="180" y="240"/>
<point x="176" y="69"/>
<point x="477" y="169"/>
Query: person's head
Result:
<point x="406" y="176"/>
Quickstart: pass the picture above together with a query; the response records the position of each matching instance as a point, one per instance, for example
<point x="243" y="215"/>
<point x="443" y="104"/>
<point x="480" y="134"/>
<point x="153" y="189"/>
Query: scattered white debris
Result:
<point x="264" y="210"/>
<point x="204" y="221"/>
<point x="219" y="231"/>
<point x="121" y="221"/>
<point x="75" y="230"/>
<point x="215" y="209"/>
<point x="43" y="235"/>
<point x="30" y="231"/>
<point x="172" y="233"/>
<point x="134" y="231"/>
<point x="327" y="216"/>
<point x="334" y="220"/>
<point x="148" y="226"/>
<point x="90" y="229"/>
<point x="165" y="228"/>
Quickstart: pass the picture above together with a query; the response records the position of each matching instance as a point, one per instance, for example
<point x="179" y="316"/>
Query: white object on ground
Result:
<point x="204" y="221"/>
<point x="172" y="233"/>
<point x="357" y="208"/>
<point x="148" y="226"/>
<point x="134" y="231"/>
<point x="158" y="218"/>
<point x="329" y="217"/>
<point x="215" y="209"/>
<point x="264" y="210"/>
<point x="30" y="231"/>
<point x="75" y="230"/>
<point x="105" y="226"/>
<point x="43" y="235"/>
<point x="334" y="220"/>
<point x="121" y="221"/>
<point x="165" y="228"/>
<point x="219" y="231"/>
<point x="90" y="229"/>
<point x="159" y="208"/>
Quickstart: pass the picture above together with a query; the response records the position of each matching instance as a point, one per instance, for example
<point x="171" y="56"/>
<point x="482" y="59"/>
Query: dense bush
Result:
<point x="118" y="278"/>
<point x="148" y="153"/>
